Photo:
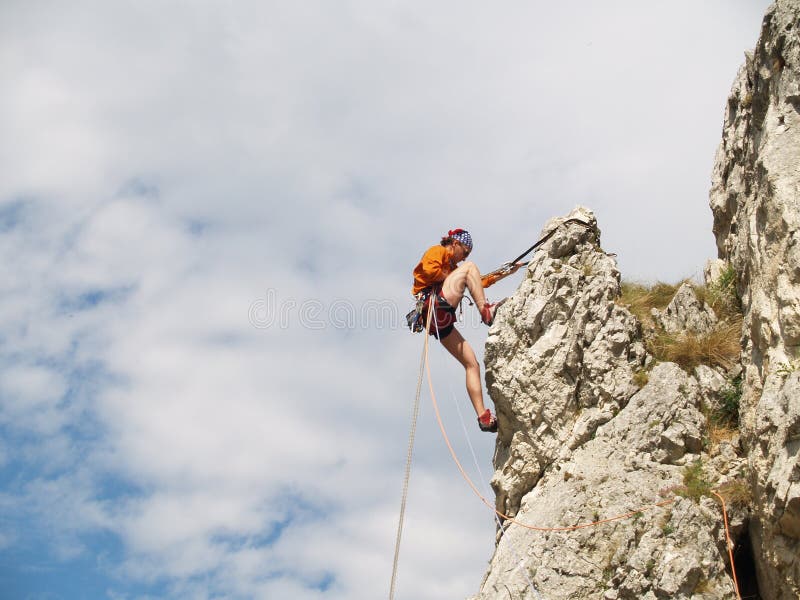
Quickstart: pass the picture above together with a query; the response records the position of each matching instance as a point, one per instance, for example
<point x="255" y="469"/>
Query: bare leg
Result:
<point x="466" y="276"/>
<point x="460" y="348"/>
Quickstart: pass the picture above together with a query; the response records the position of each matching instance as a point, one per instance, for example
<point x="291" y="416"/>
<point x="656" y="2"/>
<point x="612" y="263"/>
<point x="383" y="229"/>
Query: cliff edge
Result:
<point x="755" y="198"/>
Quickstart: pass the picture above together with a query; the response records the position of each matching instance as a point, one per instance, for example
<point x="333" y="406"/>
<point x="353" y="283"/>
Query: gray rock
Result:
<point x="631" y="461"/>
<point x="579" y="442"/>
<point x="712" y="383"/>
<point x="754" y="198"/>
<point x="560" y="357"/>
<point x="713" y="271"/>
<point x="685" y="313"/>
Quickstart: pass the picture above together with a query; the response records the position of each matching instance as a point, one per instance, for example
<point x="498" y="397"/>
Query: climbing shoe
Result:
<point x="487" y="313"/>
<point x="487" y="421"/>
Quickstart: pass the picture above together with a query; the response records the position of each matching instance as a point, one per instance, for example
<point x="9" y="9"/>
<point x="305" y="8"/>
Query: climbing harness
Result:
<point x="442" y="311"/>
<point x="415" y="317"/>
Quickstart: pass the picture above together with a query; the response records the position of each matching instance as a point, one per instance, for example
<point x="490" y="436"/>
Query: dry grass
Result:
<point x="640" y="298"/>
<point x="641" y="377"/>
<point x="720" y="347"/>
<point x="737" y="492"/>
<point x="720" y="433"/>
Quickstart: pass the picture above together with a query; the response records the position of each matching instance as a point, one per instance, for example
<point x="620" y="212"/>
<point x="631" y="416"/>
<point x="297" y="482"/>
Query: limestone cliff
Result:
<point x="755" y="199"/>
<point x="583" y="439"/>
<point x="607" y="459"/>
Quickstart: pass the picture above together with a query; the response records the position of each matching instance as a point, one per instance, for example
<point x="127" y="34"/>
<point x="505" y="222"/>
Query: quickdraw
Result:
<point x="512" y="266"/>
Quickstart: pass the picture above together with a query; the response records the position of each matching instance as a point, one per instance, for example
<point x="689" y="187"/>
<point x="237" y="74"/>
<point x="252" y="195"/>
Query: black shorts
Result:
<point x="444" y="315"/>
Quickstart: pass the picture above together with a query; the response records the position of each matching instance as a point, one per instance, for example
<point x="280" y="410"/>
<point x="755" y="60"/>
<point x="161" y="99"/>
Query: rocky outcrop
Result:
<point x="580" y="441"/>
<point x="607" y="474"/>
<point x="666" y="552"/>
<point x="755" y="199"/>
<point x="560" y="358"/>
<point x="685" y="313"/>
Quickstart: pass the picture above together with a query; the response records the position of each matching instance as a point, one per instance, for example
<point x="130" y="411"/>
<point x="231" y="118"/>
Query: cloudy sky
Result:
<point x="209" y="212"/>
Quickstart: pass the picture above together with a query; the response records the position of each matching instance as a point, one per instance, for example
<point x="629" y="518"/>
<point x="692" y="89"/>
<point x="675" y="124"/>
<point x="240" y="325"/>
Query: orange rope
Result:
<point x="729" y="544"/>
<point x="573" y="527"/>
<point x="490" y="505"/>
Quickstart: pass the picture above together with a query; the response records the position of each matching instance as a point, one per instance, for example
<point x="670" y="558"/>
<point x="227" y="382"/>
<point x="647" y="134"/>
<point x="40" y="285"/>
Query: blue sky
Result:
<point x="173" y="173"/>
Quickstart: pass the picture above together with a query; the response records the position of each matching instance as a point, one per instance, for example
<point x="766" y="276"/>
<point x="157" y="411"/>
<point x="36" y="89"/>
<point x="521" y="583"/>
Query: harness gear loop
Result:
<point x="431" y="296"/>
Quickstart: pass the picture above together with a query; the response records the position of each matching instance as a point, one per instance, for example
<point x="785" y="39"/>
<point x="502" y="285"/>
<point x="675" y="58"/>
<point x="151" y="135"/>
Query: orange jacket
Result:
<point x="436" y="264"/>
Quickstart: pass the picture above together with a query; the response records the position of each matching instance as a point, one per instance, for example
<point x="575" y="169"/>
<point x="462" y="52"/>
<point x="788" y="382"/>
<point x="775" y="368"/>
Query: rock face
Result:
<point x="581" y="442"/>
<point x="607" y="476"/>
<point x="685" y="313"/>
<point x="755" y="199"/>
<point x="561" y="358"/>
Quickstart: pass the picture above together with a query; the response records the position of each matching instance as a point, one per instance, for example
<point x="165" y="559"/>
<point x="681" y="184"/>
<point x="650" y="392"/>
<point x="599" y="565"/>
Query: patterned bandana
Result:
<point x="461" y="235"/>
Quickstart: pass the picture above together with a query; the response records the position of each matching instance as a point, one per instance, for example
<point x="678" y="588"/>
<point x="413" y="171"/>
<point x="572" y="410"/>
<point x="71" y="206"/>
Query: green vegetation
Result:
<point x="787" y="368"/>
<point x="722" y="296"/>
<point x="648" y="568"/>
<point x="730" y="396"/>
<point x="695" y="482"/>
<point x="703" y="586"/>
<point x="641" y="377"/>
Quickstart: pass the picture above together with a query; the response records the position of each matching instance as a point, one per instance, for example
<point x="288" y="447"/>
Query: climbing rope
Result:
<point x="729" y="544"/>
<point x="505" y="539"/>
<point x="489" y="504"/>
<point x="409" y="456"/>
<point x="425" y="368"/>
<point x="499" y="514"/>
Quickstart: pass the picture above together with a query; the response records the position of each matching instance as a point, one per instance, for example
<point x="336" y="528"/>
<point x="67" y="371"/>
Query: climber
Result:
<point x="438" y="275"/>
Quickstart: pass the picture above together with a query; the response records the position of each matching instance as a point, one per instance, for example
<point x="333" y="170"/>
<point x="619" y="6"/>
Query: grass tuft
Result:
<point x="695" y="482"/>
<point x="737" y="492"/>
<point x="641" y="299"/>
<point x="730" y="396"/>
<point x="720" y="347"/>
<point x="641" y="377"/>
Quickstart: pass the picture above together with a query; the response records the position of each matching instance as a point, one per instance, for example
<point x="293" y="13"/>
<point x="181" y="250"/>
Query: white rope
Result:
<point x="520" y="562"/>
<point x="409" y="456"/>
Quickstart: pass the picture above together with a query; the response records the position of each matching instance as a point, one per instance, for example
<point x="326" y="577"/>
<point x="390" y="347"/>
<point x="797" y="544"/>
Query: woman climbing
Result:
<point x="439" y="278"/>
